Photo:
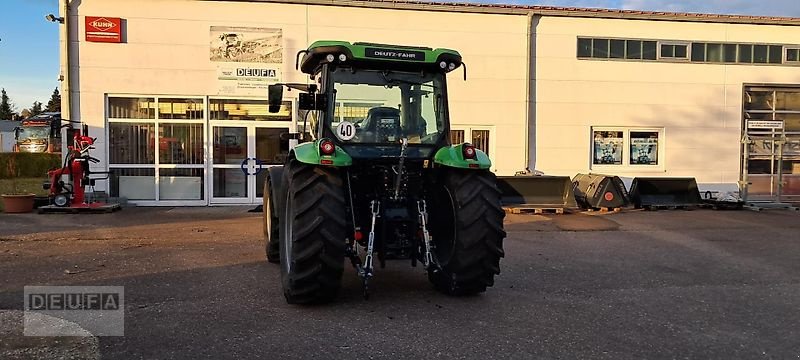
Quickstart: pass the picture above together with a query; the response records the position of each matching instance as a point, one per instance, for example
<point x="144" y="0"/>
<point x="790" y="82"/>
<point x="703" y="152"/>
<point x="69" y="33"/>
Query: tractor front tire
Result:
<point x="467" y="227"/>
<point x="312" y="236"/>
<point x="271" y="224"/>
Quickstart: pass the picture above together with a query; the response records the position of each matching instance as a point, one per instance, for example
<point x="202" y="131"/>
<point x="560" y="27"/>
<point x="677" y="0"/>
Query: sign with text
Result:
<point x="394" y="54"/>
<point x="248" y="59"/>
<point x="765" y="124"/>
<point x="103" y="29"/>
<point x="74" y="311"/>
<point x="246" y="79"/>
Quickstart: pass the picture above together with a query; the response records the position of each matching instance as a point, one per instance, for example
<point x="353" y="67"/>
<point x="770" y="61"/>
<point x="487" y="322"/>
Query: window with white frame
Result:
<point x="793" y="55"/>
<point x="156" y="147"/>
<point x="457" y="137"/>
<point x="607" y="147"/>
<point x="627" y="146"/>
<point x="674" y="51"/>
<point x="480" y="136"/>
<point x="643" y="147"/>
<point x="247" y="109"/>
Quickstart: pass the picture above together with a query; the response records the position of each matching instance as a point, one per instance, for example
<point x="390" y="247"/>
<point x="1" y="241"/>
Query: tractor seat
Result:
<point x="382" y="124"/>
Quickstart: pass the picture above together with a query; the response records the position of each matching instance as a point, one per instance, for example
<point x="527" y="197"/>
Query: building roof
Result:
<point x="547" y="11"/>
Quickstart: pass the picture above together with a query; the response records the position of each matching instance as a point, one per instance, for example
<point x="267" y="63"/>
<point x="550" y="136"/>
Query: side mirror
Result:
<point x="275" y="96"/>
<point x="17" y="130"/>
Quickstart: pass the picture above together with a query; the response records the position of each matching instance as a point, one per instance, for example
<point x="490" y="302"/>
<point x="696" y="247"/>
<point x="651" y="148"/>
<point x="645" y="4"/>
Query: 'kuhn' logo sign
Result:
<point x="103" y="24"/>
<point x="103" y="29"/>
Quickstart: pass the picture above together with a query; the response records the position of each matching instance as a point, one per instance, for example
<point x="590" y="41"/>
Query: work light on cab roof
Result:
<point x="373" y="55"/>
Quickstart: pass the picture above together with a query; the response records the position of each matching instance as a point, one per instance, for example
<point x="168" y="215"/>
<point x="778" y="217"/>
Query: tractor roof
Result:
<point x="380" y="56"/>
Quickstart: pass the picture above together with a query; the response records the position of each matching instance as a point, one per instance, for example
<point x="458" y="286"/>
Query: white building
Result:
<point x="559" y="90"/>
<point x="7" y="135"/>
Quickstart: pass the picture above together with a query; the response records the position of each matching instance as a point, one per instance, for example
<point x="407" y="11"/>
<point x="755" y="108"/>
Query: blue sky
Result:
<point x="29" y="44"/>
<point x="28" y="51"/>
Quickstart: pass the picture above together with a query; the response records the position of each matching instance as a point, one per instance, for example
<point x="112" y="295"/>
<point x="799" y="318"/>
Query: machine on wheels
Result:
<point x="380" y="179"/>
<point x="67" y="185"/>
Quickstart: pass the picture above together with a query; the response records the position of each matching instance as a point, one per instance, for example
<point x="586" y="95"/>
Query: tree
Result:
<point x="25" y="113"/>
<point x="36" y="108"/>
<point x="54" y="105"/>
<point x="6" y="111"/>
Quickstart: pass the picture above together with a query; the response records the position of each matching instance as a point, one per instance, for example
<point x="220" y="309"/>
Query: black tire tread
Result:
<point x="479" y="234"/>
<point x="271" y="235"/>
<point x="318" y="230"/>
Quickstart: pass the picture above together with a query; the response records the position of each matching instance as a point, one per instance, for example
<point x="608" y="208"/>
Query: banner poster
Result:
<point x="762" y="147"/>
<point x="608" y="147"/>
<point x="644" y="148"/>
<point x="248" y="59"/>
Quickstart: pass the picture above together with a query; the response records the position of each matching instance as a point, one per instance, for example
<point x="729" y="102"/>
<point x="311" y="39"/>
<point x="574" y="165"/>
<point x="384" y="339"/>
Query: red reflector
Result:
<point x="326" y="147"/>
<point x="358" y="235"/>
<point x="469" y="151"/>
<point x="474" y="166"/>
<point x="326" y="162"/>
<point x="609" y="196"/>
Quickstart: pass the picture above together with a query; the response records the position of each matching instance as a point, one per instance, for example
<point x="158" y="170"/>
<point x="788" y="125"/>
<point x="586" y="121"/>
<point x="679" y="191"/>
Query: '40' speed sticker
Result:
<point x="345" y="131"/>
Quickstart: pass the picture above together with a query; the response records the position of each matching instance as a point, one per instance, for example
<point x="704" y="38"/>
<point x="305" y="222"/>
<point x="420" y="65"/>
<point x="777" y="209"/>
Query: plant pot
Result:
<point x="15" y="204"/>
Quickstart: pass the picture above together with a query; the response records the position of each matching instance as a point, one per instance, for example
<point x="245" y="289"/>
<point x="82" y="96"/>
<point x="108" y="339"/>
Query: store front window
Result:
<point x="185" y="109"/>
<point x="131" y="108"/>
<point x="180" y="143"/>
<point x="156" y="148"/>
<point x="239" y="109"/>
<point x="194" y="150"/>
<point x="132" y="143"/>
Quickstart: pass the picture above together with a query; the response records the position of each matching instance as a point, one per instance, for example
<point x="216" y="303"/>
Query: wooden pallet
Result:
<point x="769" y="206"/>
<point x="535" y="210"/>
<point x="723" y="205"/>
<point x="605" y="210"/>
<point x="102" y="209"/>
<point x="666" y="207"/>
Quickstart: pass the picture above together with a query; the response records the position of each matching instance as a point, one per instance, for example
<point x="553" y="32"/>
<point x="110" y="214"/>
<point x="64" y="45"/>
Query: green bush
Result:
<point x="29" y="165"/>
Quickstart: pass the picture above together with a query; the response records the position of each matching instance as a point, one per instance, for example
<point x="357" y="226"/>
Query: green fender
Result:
<point x="308" y="153"/>
<point x="453" y="156"/>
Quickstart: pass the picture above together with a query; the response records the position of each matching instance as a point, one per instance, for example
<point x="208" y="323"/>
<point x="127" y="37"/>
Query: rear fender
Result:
<point x="453" y="156"/>
<point x="308" y="153"/>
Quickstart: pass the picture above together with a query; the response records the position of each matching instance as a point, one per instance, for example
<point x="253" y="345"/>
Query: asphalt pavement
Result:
<point x="668" y="284"/>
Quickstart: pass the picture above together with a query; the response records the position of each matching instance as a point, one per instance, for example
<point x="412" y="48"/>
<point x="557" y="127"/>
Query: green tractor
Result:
<point x="382" y="180"/>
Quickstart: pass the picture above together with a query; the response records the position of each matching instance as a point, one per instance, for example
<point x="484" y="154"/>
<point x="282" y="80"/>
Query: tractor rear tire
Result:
<point x="467" y="228"/>
<point x="312" y="236"/>
<point x="271" y="224"/>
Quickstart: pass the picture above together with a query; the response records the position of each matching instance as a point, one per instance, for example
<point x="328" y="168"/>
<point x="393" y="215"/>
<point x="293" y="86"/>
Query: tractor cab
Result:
<point x="371" y="98"/>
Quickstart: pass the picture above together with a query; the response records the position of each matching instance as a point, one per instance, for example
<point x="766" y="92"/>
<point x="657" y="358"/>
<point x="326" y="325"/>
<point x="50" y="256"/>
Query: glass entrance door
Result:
<point x="241" y="155"/>
<point x="771" y="126"/>
<point x="763" y="167"/>
<point x="271" y="147"/>
<point x="229" y="172"/>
